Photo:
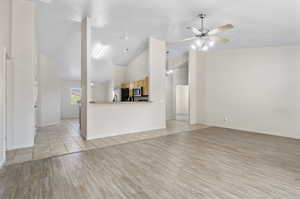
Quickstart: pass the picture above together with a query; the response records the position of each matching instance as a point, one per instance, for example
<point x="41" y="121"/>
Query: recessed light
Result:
<point x="125" y="36"/>
<point x="98" y="50"/>
<point x="169" y="72"/>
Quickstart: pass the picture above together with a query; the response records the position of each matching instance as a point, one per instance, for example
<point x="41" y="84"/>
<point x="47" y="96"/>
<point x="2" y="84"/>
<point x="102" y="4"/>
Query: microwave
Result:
<point x="137" y="92"/>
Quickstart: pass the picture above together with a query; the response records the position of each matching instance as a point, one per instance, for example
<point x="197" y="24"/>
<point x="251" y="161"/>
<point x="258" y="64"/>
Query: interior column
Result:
<point x="85" y="74"/>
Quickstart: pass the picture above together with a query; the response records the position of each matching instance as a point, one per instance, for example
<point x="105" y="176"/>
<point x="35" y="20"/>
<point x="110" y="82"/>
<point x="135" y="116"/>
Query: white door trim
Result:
<point x="2" y="105"/>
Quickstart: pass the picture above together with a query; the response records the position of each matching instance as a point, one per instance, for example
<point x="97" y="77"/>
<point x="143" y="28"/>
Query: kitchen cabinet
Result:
<point x="137" y="84"/>
<point x="125" y="85"/>
<point x="131" y="87"/>
<point x="146" y="86"/>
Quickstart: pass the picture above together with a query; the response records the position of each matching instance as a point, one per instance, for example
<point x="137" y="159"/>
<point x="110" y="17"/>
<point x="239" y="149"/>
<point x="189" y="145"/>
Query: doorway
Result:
<point x="177" y="89"/>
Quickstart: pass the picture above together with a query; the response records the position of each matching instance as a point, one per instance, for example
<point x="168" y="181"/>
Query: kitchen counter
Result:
<point x="135" y="102"/>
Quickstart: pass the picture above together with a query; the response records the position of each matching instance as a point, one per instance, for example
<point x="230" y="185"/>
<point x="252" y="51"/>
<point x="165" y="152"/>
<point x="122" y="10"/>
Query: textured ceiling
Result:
<point x="258" y="23"/>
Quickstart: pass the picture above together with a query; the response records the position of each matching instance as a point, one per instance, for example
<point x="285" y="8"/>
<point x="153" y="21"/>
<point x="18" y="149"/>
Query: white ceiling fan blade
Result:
<point x="196" y="31"/>
<point x="220" y="29"/>
<point x="218" y="39"/>
<point x="184" y="40"/>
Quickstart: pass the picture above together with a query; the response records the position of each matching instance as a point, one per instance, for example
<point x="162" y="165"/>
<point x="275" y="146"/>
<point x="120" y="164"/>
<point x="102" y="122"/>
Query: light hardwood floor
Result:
<point x="64" y="138"/>
<point x="209" y="163"/>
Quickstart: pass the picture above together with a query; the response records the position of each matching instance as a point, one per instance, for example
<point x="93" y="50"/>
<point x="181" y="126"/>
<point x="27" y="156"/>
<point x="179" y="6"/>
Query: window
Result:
<point x="75" y="95"/>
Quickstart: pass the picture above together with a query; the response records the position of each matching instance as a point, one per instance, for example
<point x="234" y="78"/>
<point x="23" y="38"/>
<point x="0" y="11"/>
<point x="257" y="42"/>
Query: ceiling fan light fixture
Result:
<point x="193" y="46"/>
<point x="211" y="43"/>
<point x="169" y="72"/>
<point x="204" y="38"/>
<point x="199" y="42"/>
<point x="205" y="48"/>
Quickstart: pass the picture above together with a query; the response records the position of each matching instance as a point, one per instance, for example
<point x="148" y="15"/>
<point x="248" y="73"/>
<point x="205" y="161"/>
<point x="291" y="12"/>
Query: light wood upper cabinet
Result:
<point x="131" y="87"/>
<point x="137" y="84"/>
<point x="146" y="86"/>
<point x="125" y="85"/>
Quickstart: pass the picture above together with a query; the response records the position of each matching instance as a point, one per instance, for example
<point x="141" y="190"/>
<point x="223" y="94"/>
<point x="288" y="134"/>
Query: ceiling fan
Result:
<point x="204" y="38"/>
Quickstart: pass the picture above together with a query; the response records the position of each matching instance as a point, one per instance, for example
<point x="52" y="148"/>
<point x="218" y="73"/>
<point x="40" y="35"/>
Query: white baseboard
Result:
<point x="70" y="118"/>
<point x="3" y="160"/>
<point x="2" y="164"/>
<point x="125" y="133"/>
<point x="183" y="117"/>
<point x="48" y="124"/>
<point x="23" y="146"/>
<point x="250" y="130"/>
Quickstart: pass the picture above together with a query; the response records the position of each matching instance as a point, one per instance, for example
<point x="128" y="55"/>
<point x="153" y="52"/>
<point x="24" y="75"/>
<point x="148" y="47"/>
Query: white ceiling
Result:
<point x="258" y="23"/>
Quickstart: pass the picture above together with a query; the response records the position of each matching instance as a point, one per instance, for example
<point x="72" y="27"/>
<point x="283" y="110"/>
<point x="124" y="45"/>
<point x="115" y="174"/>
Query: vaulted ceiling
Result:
<point x="258" y="23"/>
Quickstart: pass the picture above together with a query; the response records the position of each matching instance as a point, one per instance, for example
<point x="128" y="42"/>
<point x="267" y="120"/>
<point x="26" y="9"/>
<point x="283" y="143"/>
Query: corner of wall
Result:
<point x="2" y="163"/>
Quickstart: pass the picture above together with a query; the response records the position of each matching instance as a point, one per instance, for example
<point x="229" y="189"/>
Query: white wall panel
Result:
<point x="252" y="89"/>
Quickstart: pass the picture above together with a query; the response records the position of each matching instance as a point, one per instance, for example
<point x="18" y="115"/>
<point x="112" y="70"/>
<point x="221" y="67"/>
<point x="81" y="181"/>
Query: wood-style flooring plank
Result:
<point x="212" y="163"/>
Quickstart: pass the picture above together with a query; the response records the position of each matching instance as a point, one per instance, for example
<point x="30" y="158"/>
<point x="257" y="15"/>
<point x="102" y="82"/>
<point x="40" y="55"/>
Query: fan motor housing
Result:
<point x="202" y="15"/>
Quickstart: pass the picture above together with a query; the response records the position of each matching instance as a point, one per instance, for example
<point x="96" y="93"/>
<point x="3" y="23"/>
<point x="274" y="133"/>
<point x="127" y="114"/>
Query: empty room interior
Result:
<point x="111" y="99"/>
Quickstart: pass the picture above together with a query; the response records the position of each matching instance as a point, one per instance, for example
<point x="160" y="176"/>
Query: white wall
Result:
<point x="196" y="78"/>
<point x="178" y="77"/>
<point x="10" y="105"/>
<point x="2" y="105"/>
<point x="170" y="112"/>
<point x="182" y="102"/>
<point x="5" y="24"/>
<point x="253" y="89"/>
<point x="68" y="110"/>
<point x="102" y="92"/>
<point x="5" y="36"/>
<point x="178" y="63"/>
<point x="119" y="75"/>
<point x="49" y="92"/>
<point x="157" y="71"/>
<point x="5" y="33"/>
<point x="24" y="63"/>
<point x="115" y="119"/>
<point x="86" y="91"/>
<point x="138" y="68"/>
<point x="177" y="60"/>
